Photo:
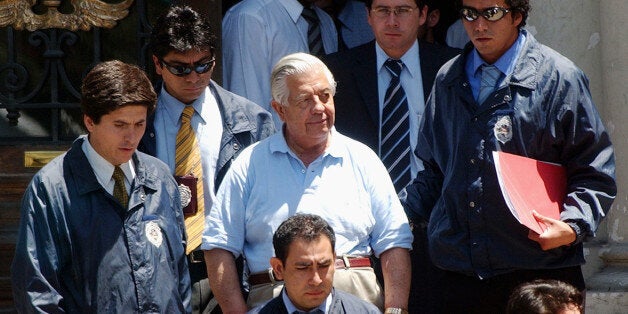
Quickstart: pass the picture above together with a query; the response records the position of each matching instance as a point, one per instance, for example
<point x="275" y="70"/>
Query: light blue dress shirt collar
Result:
<point x="278" y="144"/>
<point x="410" y="59"/>
<point x="103" y="169"/>
<point x="291" y="308"/>
<point x="174" y="108"/>
<point x="294" y="8"/>
<point x="506" y="64"/>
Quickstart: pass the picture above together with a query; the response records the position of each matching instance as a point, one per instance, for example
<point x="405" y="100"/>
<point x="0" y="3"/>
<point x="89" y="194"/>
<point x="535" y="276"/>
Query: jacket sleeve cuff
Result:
<point x="580" y="230"/>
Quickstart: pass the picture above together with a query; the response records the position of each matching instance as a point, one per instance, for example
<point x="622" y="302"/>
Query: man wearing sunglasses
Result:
<point x="223" y="123"/>
<point x="506" y="92"/>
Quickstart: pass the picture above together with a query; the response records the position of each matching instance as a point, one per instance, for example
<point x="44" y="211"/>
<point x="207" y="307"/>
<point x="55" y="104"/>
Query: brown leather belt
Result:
<point x="345" y="262"/>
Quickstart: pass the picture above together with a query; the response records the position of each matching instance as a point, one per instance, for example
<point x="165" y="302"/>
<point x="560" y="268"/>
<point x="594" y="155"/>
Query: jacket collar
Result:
<point x="525" y="73"/>
<point x="82" y="171"/>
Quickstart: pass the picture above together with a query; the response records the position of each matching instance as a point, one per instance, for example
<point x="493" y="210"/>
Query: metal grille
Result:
<point x="41" y="73"/>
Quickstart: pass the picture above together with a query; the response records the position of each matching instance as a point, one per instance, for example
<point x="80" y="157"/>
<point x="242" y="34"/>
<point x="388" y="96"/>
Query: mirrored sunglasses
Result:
<point x="182" y="70"/>
<point x="490" y="14"/>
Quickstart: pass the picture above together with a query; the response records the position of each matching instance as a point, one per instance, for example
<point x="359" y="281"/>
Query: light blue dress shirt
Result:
<point x="412" y="83"/>
<point x="255" y="35"/>
<point x="207" y="124"/>
<point x="506" y="64"/>
<point x="347" y="185"/>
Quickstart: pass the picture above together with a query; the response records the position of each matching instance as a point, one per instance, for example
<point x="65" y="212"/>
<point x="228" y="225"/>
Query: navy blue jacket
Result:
<point x="341" y="303"/>
<point x="545" y="112"/>
<point x="80" y="251"/>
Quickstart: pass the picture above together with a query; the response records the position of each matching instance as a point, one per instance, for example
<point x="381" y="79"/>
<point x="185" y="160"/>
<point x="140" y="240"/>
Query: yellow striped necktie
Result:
<point x="188" y="161"/>
<point x="119" y="189"/>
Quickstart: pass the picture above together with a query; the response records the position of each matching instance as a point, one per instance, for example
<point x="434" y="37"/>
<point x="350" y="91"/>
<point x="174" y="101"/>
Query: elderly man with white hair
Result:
<point x="308" y="168"/>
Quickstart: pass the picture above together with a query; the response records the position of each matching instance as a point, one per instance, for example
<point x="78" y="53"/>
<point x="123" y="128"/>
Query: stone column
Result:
<point x="592" y="34"/>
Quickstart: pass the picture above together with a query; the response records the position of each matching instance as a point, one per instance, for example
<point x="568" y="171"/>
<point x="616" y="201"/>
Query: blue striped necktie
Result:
<point x="314" y="39"/>
<point x="490" y="75"/>
<point x="395" y="132"/>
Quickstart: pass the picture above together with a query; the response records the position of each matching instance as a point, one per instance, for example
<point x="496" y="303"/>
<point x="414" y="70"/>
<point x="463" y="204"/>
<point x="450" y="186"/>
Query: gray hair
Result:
<point x="295" y="64"/>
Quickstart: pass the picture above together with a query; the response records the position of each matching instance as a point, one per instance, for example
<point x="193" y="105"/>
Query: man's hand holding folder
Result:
<point x="534" y="192"/>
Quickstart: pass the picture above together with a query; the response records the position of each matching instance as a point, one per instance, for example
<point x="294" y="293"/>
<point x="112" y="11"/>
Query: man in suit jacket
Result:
<point x="305" y="260"/>
<point x="362" y="82"/>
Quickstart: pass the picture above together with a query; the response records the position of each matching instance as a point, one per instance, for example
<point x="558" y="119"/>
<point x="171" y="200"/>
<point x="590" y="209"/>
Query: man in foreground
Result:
<point x="305" y="260"/>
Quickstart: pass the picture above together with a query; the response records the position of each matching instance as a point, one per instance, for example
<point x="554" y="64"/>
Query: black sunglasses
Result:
<point x="490" y="14"/>
<point x="182" y="70"/>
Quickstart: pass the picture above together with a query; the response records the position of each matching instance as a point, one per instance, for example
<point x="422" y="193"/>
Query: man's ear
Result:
<point x="157" y="64"/>
<point x="89" y="123"/>
<point x="277" y="266"/>
<point x="281" y="110"/>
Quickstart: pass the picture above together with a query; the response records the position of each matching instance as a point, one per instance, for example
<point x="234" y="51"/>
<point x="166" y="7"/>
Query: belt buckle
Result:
<point x="345" y="259"/>
<point x="194" y="259"/>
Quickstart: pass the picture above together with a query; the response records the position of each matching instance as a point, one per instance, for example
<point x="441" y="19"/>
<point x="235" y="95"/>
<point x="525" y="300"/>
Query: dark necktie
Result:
<point x="314" y="39"/>
<point x="490" y="75"/>
<point x="395" y="138"/>
<point x="188" y="161"/>
<point x="119" y="189"/>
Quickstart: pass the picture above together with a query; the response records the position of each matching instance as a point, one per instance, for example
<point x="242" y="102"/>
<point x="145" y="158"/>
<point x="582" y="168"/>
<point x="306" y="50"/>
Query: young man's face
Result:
<point x="396" y="33"/>
<point x="491" y="38"/>
<point x="118" y="133"/>
<point x="185" y="88"/>
<point x="308" y="273"/>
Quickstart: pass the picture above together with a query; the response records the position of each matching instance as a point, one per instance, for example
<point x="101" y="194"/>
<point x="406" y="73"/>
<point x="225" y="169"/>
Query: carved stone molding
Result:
<point x="86" y="14"/>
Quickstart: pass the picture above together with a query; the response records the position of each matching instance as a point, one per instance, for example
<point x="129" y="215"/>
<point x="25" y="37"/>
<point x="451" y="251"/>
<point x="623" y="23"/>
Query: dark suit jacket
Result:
<point x="355" y="71"/>
<point x="341" y="303"/>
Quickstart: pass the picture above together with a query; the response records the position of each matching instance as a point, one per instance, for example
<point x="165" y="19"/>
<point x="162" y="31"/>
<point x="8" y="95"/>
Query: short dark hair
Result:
<point x="181" y="29"/>
<point x="114" y="84"/>
<point x="521" y="6"/>
<point x="419" y="3"/>
<point x="543" y="296"/>
<point x="306" y="227"/>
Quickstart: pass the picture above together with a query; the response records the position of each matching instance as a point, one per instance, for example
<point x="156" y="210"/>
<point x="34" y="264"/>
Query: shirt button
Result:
<point x="143" y="197"/>
<point x="475" y="119"/>
<point x="471" y="204"/>
<point x="236" y="146"/>
<point x="474" y="244"/>
<point x="302" y="170"/>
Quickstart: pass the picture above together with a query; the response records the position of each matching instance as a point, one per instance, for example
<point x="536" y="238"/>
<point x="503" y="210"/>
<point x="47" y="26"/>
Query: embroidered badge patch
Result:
<point x="503" y="129"/>
<point x="186" y="195"/>
<point x="153" y="233"/>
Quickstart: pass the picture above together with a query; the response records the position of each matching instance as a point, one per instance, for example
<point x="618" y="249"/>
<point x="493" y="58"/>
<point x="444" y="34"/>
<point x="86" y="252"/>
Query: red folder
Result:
<point x="528" y="184"/>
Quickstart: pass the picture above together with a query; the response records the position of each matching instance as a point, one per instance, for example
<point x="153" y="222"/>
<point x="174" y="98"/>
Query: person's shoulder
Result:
<point x="355" y="147"/>
<point x="550" y="60"/>
<point x="445" y="52"/>
<point x="250" y="7"/>
<point x="152" y="163"/>
<point x="229" y="99"/>
<point x="353" y="304"/>
<point x="345" y="58"/>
